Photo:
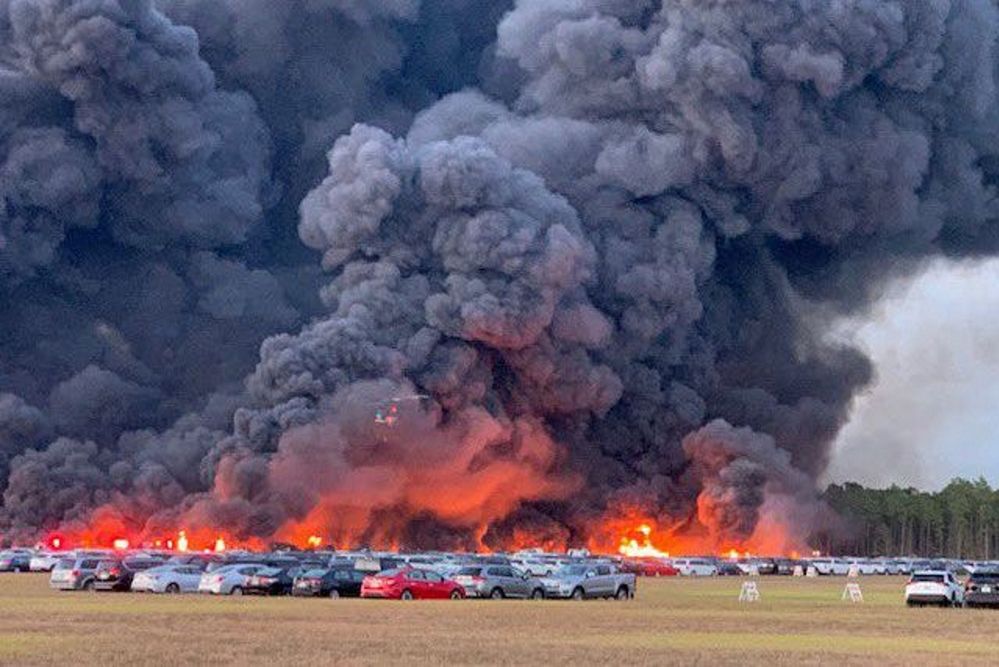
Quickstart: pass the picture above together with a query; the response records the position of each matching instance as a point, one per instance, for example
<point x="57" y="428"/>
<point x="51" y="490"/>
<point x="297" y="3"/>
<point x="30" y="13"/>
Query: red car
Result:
<point x="407" y="583"/>
<point x="653" y="567"/>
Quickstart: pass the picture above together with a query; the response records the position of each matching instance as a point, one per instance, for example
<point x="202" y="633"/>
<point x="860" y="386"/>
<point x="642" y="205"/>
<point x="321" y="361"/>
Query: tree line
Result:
<point x="959" y="521"/>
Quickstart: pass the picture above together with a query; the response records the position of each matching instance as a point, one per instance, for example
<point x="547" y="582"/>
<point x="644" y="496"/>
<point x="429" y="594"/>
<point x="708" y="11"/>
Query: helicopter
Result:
<point x="387" y="413"/>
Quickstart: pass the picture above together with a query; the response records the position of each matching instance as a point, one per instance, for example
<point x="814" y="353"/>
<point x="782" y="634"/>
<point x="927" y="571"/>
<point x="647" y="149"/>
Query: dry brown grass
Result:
<point x="674" y="621"/>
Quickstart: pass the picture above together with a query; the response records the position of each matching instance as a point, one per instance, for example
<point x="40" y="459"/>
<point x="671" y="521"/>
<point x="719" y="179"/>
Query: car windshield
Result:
<point x="314" y="573"/>
<point x="470" y="571"/>
<point x="65" y="564"/>
<point x="572" y="571"/>
<point x="270" y="571"/>
<point x="990" y="577"/>
<point x="927" y="578"/>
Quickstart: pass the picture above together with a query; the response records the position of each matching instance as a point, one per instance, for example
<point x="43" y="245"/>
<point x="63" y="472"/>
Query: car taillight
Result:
<point x="75" y="573"/>
<point x="478" y="580"/>
<point x="219" y="579"/>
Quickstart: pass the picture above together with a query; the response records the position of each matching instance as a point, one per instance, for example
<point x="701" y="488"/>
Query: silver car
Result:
<point x="74" y="574"/>
<point x="168" y="579"/>
<point x="581" y="582"/>
<point x="45" y="561"/>
<point x="229" y="579"/>
<point x="498" y="582"/>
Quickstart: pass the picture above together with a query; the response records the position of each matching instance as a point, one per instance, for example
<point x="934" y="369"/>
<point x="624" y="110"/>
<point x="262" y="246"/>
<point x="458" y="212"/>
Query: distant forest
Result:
<point x="960" y="521"/>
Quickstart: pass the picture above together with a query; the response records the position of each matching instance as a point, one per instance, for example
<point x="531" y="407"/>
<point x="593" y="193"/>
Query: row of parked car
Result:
<point x="942" y="587"/>
<point x="335" y="575"/>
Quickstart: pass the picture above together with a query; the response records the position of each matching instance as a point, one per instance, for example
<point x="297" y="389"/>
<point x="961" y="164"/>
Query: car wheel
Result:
<point x="538" y="594"/>
<point x="456" y="594"/>
<point x="622" y="593"/>
<point x="173" y="589"/>
<point x="89" y="585"/>
<point x="406" y="595"/>
<point x="334" y="594"/>
<point x="497" y="593"/>
<point x="578" y="594"/>
<point x="236" y="590"/>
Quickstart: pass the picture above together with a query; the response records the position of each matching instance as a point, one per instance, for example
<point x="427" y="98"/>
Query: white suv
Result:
<point x="933" y="587"/>
<point x="695" y="567"/>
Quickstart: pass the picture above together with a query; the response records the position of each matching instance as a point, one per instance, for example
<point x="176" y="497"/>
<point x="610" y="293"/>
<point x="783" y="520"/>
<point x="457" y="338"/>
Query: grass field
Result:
<point x="672" y="621"/>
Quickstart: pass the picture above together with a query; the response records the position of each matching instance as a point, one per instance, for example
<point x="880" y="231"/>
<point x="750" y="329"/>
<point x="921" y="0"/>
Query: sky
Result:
<point x="931" y="413"/>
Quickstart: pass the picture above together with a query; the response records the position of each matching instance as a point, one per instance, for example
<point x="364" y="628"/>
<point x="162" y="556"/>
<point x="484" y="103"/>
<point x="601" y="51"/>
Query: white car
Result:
<point x="933" y="587"/>
<point x="168" y="579"/>
<point x="695" y="567"/>
<point x="865" y="566"/>
<point x="826" y="566"/>
<point x="534" y="567"/>
<point x="228" y="580"/>
<point x="45" y="561"/>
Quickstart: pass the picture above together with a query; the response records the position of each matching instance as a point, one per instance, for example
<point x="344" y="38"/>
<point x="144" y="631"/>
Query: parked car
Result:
<point x="534" y="566"/>
<point x="785" y="566"/>
<point x="74" y="574"/>
<point x="329" y="583"/>
<point x="865" y="566"/>
<point x="409" y="583"/>
<point x="765" y="566"/>
<point x="498" y="582"/>
<point x="272" y="581"/>
<point x="933" y="587"/>
<point x="651" y="567"/>
<point x="982" y="589"/>
<point x="830" y="566"/>
<point x="15" y="561"/>
<point x="168" y="578"/>
<point x="727" y="568"/>
<point x="229" y="579"/>
<point x="580" y="582"/>
<point x="200" y="561"/>
<point x="117" y="575"/>
<point x="695" y="567"/>
<point x="45" y="561"/>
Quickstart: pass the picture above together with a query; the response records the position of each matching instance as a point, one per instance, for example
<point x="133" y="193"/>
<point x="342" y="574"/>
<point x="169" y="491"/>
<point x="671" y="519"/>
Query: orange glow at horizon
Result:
<point x="219" y="545"/>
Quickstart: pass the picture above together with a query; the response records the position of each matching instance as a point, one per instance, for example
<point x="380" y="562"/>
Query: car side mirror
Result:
<point x="590" y="574"/>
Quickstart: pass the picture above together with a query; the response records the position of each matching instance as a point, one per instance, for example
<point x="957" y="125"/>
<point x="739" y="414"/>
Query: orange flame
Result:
<point x="219" y="545"/>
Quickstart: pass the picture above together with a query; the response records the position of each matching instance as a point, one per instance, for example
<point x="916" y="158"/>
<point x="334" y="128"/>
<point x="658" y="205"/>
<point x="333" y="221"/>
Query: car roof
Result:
<point x="932" y="572"/>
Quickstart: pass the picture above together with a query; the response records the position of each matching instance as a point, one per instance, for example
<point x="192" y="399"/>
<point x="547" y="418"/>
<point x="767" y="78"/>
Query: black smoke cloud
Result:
<point x="586" y="249"/>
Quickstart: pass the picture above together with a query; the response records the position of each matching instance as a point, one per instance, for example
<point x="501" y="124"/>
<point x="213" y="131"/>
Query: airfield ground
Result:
<point x="673" y="621"/>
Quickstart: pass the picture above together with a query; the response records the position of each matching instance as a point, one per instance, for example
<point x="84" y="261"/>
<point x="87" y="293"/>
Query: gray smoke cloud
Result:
<point x="590" y="265"/>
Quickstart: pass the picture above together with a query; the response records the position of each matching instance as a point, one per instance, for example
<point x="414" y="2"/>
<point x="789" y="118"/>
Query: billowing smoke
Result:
<point x="563" y="260"/>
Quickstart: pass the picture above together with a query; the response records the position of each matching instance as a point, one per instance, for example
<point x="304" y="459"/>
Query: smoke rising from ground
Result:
<point x="585" y="264"/>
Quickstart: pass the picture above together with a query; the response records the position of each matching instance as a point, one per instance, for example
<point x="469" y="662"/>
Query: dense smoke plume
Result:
<point x="580" y="254"/>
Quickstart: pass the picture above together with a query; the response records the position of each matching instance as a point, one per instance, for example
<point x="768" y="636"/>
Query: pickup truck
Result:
<point x="588" y="581"/>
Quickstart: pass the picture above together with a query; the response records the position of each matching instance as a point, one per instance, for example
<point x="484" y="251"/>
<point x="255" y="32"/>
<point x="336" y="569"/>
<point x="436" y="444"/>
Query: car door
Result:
<point x="341" y="581"/>
<point x="436" y="587"/>
<point x="520" y="582"/>
<point x="502" y="577"/>
<point x="603" y="583"/>
<point x="187" y="578"/>
<point x="417" y="584"/>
